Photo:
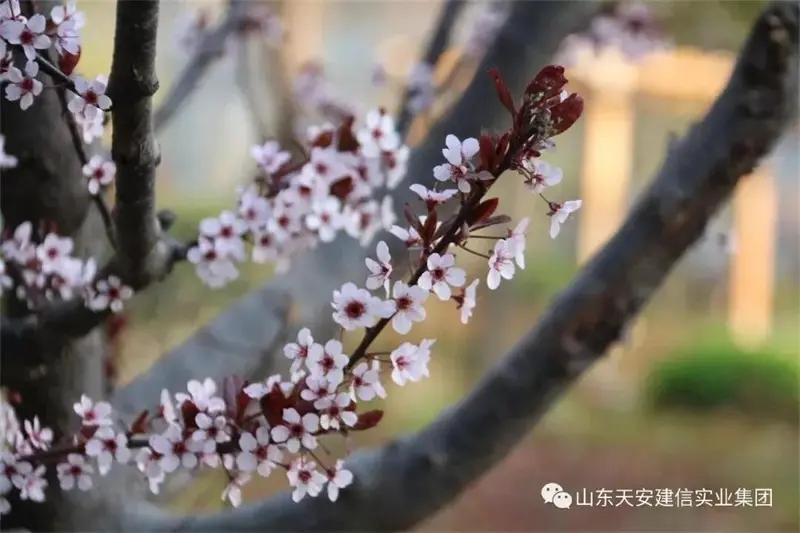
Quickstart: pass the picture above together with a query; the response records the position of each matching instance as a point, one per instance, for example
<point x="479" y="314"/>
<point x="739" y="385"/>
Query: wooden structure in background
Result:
<point x="609" y="144"/>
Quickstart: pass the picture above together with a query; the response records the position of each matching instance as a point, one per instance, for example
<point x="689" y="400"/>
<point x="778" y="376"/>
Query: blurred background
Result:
<point x="704" y="392"/>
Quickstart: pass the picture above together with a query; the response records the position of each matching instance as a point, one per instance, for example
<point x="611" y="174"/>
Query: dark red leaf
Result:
<point x="140" y="425"/>
<point x="347" y="141"/>
<point x="503" y="94"/>
<point x="484" y="210"/>
<point x="491" y="221"/>
<point x="548" y="82"/>
<point x="68" y="62"/>
<point x="189" y="412"/>
<point x="486" y="153"/>
<point x="412" y="219"/>
<point x="342" y="187"/>
<point x="565" y="114"/>
<point x="368" y="420"/>
<point x="430" y="228"/>
<point x="323" y="140"/>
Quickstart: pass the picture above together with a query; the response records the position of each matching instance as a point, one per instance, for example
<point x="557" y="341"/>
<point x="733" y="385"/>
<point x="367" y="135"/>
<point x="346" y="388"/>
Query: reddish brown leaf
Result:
<point x="430" y="228"/>
<point x="491" y="221"/>
<point x="503" y="94"/>
<point x="486" y="153"/>
<point x="67" y="62"/>
<point x="484" y="210"/>
<point x="323" y="140"/>
<point x="347" y="141"/>
<point x="342" y="188"/>
<point x="368" y="420"/>
<point x="140" y="425"/>
<point x="566" y="113"/>
<point x="548" y="82"/>
<point x="412" y="219"/>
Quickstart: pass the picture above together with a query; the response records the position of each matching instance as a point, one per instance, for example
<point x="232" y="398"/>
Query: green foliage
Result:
<point x="762" y="384"/>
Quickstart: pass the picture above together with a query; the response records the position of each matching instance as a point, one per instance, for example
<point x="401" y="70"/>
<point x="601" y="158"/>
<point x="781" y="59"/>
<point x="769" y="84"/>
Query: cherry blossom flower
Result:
<point x="107" y="447"/>
<point x="297" y="431"/>
<point x="298" y="351"/>
<point x="30" y="35"/>
<point x="53" y="251"/>
<point x="365" y="382"/>
<point x="233" y="490"/>
<point x="431" y="197"/>
<point x="100" y="173"/>
<point x="333" y="410"/>
<point x="202" y="395"/>
<point x="93" y="414"/>
<point x="381" y="269"/>
<point x="501" y="263"/>
<point x="258" y="390"/>
<point x="517" y="240"/>
<point x="91" y="127"/>
<point x="226" y="231"/>
<point x="539" y="175"/>
<point x="211" y="428"/>
<point x="458" y="155"/>
<point x="76" y="472"/>
<point x="305" y="478"/>
<point x="466" y="301"/>
<point x="257" y="453"/>
<point x="325" y="218"/>
<point x="109" y="294"/>
<point x="396" y="162"/>
<point x="23" y="87"/>
<point x="6" y="160"/>
<point x="327" y="362"/>
<point x="91" y="99"/>
<point x="357" y="308"/>
<point x="175" y="450"/>
<point x="317" y="387"/>
<point x="559" y="213"/>
<point x="69" y="22"/>
<point x="212" y="266"/>
<point x="409" y="236"/>
<point x="12" y="471"/>
<point x="338" y="478"/>
<point x="408" y="302"/>
<point x="38" y="436"/>
<point x="148" y="462"/>
<point x="33" y="486"/>
<point x="409" y="363"/>
<point x="270" y="156"/>
<point x="441" y="274"/>
<point x="378" y="135"/>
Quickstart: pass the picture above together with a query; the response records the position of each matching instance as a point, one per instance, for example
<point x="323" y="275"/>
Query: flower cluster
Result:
<point x="256" y="428"/>
<point x="36" y="34"/>
<point x="630" y="27"/>
<point x="296" y="202"/>
<point x="47" y="271"/>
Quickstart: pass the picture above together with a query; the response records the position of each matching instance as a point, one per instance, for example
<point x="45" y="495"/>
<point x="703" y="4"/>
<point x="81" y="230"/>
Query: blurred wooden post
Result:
<point x="607" y="151"/>
<point x="752" y="273"/>
<point x="305" y="31"/>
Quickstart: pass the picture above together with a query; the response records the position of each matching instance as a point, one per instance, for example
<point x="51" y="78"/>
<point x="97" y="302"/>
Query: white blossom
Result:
<point x="441" y="275"/>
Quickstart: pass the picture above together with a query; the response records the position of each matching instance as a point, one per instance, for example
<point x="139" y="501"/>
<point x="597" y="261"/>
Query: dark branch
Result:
<point x="132" y="84"/>
<point x="405" y="482"/>
<point x="210" y="49"/>
<point x="448" y="18"/>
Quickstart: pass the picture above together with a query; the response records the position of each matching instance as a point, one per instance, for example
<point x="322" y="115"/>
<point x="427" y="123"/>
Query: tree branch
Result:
<point x="440" y="39"/>
<point x="132" y="84"/>
<point x="405" y="482"/>
<point x="313" y="277"/>
<point x="210" y="48"/>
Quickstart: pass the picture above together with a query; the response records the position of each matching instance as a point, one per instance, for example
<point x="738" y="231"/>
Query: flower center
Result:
<point x="354" y="309"/>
